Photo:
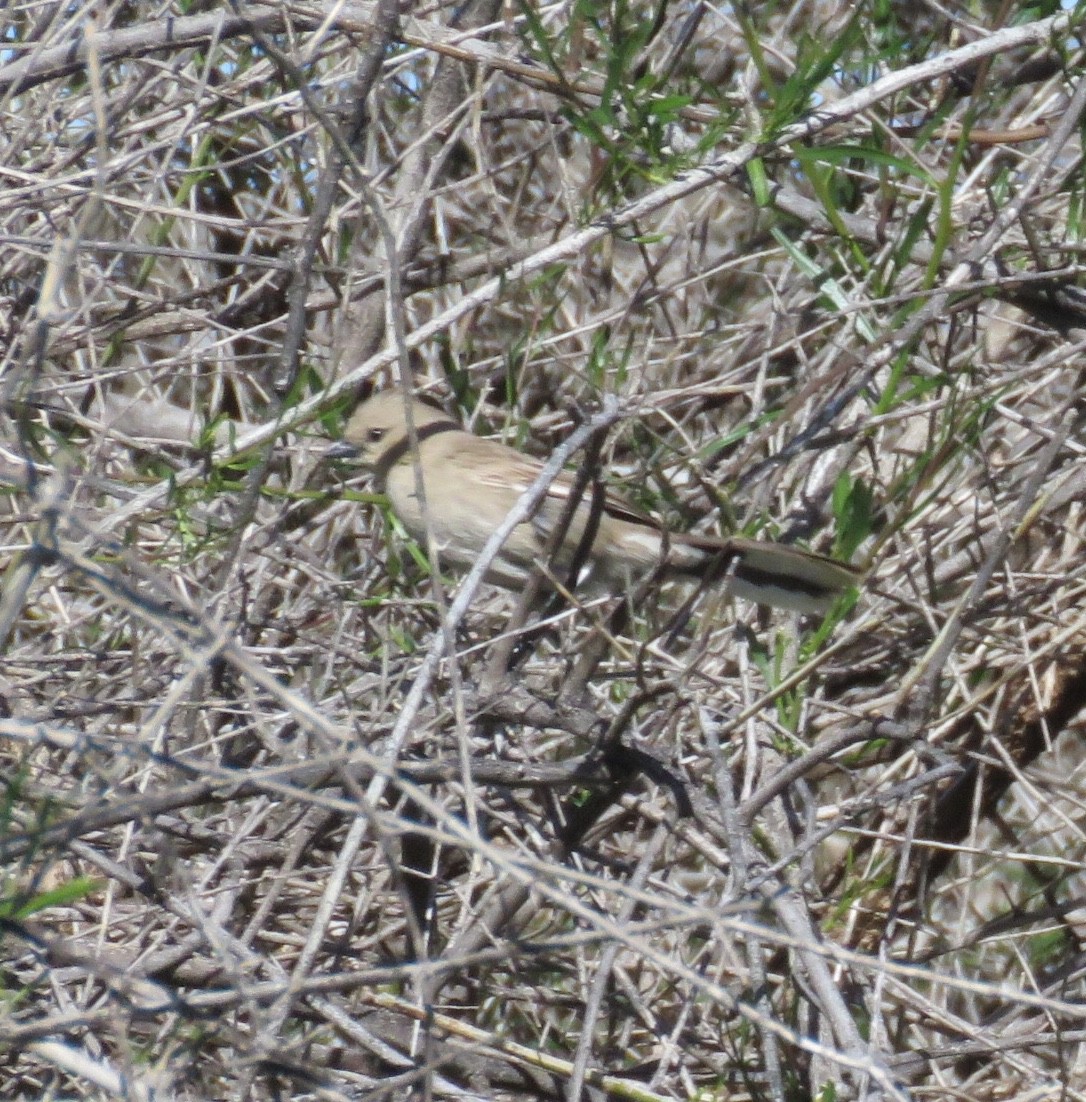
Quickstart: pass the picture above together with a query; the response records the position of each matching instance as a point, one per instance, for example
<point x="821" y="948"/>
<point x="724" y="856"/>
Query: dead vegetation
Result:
<point x="283" y="816"/>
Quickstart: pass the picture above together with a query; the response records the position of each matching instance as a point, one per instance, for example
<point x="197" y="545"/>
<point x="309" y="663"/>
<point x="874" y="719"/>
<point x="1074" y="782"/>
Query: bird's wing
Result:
<point x="520" y="471"/>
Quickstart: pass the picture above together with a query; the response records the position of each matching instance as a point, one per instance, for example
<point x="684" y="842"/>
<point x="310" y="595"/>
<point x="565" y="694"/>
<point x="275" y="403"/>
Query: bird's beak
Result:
<point x="342" y="450"/>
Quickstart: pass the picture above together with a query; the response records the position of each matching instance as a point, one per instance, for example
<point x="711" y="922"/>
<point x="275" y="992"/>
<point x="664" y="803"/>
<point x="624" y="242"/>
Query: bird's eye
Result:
<point x="374" y="436"/>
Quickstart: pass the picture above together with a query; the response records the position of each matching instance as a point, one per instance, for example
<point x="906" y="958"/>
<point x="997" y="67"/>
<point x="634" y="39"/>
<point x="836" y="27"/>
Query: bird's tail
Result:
<point x="768" y="573"/>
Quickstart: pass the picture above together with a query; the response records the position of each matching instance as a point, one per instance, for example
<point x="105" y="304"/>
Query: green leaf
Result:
<point x="854" y="511"/>
<point x="827" y="285"/>
<point x="73" y="891"/>
<point x="759" y="182"/>
<point x="666" y="108"/>
<point x="846" y="154"/>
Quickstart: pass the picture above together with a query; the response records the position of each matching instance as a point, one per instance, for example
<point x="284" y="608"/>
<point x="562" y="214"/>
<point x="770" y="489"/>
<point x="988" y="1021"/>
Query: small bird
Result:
<point x="470" y="484"/>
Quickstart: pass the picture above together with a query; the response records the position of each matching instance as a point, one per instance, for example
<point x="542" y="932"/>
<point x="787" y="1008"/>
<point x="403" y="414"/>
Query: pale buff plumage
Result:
<point x="470" y="484"/>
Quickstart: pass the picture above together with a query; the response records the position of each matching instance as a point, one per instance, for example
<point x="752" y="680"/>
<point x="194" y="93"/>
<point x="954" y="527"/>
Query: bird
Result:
<point x="470" y="484"/>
